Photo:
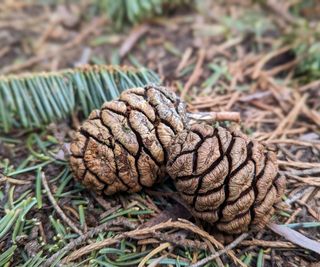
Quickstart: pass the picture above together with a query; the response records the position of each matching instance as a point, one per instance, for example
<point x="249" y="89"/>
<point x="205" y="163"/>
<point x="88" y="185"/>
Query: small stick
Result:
<point x="96" y="24"/>
<point x="303" y="172"/>
<point x="195" y="74"/>
<point x="220" y="252"/>
<point x="287" y="122"/>
<point x="81" y="239"/>
<point x="178" y="240"/>
<point x="267" y="244"/>
<point x="184" y="60"/>
<point x="132" y="39"/>
<point x="215" y="116"/>
<point x="298" y="164"/>
<point x="56" y="206"/>
<point x="259" y="66"/>
<point x="148" y="230"/>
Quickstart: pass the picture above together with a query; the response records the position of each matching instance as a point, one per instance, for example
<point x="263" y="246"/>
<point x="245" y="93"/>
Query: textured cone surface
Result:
<point x="227" y="179"/>
<point x="123" y="146"/>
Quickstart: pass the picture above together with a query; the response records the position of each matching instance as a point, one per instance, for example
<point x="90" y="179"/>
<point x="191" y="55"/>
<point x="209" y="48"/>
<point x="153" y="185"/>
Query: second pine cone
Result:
<point x="227" y="179"/>
<point x="123" y="146"/>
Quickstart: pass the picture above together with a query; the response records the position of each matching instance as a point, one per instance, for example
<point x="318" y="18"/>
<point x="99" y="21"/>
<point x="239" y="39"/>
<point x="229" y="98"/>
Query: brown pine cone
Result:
<point x="123" y="146"/>
<point x="227" y="179"/>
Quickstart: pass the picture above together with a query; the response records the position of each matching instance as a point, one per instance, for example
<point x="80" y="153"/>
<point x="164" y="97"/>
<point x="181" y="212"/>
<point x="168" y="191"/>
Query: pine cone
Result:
<point x="227" y="179"/>
<point x="123" y="146"/>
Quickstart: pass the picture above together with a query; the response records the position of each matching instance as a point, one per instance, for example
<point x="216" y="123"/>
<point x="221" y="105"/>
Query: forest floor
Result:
<point x="261" y="60"/>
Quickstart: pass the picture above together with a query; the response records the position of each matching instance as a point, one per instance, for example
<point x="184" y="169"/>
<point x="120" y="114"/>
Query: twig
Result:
<point x="101" y="201"/>
<point x="302" y="172"/>
<point x="4" y="179"/>
<point x="53" y="22"/>
<point x="281" y="10"/>
<point x="132" y="39"/>
<point x="310" y="86"/>
<point x="299" y="164"/>
<point x="77" y="40"/>
<point x="294" y="142"/>
<point x="184" y="60"/>
<point x="234" y="98"/>
<point x="311" y="114"/>
<point x="195" y="74"/>
<point x="56" y="206"/>
<point x="267" y="244"/>
<point x="92" y="247"/>
<point x="291" y="117"/>
<point x="307" y="180"/>
<point x="255" y="96"/>
<point x="92" y="27"/>
<point x="282" y="68"/>
<point x="4" y="51"/>
<point x="259" y="66"/>
<point x="153" y="253"/>
<point x="215" y="116"/>
<point x="306" y="191"/>
<point x="138" y="232"/>
<point x="219" y="253"/>
<point x="81" y="239"/>
<point x="178" y="240"/>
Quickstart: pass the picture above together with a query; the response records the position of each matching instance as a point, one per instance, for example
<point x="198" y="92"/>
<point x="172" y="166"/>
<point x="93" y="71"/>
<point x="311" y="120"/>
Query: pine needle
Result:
<point x="123" y="12"/>
<point x="34" y="100"/>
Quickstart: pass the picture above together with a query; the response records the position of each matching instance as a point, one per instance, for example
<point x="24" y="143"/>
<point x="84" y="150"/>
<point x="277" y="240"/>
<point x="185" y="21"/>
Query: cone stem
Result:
<point x="215" y="116"/>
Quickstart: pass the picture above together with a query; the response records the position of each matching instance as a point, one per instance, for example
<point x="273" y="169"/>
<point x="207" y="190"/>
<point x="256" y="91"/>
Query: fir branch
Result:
<point x="34" y="100"/>
<point x="121" y="12"/>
